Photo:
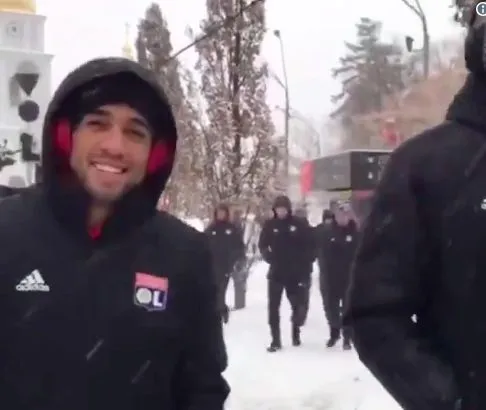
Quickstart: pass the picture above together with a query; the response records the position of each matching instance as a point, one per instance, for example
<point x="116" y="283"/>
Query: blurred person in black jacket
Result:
<point x="227" y="249"/>
<point x="285" y="244"/>
<point x="336" y="239"/>
<point x="417" y="295"/>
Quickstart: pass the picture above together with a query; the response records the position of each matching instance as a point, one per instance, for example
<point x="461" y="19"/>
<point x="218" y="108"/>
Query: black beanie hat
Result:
<point x="282" y="201"/>
<point x="123" y="88"/>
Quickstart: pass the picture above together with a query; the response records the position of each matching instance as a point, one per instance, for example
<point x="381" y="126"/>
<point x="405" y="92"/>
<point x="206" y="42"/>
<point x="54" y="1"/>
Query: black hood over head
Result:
<point x="282" y="201"/>
<point x="469" y="104"/>
<point x="475" y="42"/>
<point x="70" y="202"/>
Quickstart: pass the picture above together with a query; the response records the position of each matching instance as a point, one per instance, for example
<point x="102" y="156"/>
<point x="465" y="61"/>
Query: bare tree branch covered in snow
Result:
<point x="236" y="125"/>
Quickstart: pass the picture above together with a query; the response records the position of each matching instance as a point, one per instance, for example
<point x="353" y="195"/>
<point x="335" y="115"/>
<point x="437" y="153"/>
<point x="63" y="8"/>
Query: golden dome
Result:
<point x="127" y="50"/>
<point x="19" y="6"/>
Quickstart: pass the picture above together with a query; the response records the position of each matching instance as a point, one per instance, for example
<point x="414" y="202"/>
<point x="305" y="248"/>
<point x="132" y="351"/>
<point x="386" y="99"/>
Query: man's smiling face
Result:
<point x="111" y="147"/>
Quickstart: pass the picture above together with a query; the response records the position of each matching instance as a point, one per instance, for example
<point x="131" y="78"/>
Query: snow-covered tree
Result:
<point x="237" y="128"/>
<point x="154" y="50"/>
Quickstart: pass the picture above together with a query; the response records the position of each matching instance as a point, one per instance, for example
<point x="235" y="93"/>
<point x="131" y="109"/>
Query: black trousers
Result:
<point x="223" y="281"/>
<point x="333" y="302"/>
<point x="240" y="277"/>
<point x="305" y="300"/>
<point x="275" y="292"/>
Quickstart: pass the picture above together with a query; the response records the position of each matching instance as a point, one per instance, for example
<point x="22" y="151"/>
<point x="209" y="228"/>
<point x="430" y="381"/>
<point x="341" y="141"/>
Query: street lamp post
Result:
<point x="316" y="148"/>
<point x="278" y="34"/>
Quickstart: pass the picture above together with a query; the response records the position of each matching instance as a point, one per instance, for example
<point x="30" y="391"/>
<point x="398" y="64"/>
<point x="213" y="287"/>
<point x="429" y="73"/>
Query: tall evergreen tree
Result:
<point x="154" y="48"/>
<point x="233" y="81"/>
<point x="370" y="71"/>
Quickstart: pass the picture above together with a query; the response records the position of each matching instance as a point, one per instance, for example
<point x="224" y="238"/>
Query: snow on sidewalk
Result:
<point x="310" y="377"/>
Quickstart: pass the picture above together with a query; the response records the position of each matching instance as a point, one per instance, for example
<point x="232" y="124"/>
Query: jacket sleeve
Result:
<point x="199" y="381"/>
<point x="312" y="246"/>
<point x="308" y="250"/>
<point x="264" y="243"/>
<point x="389" y="285"/>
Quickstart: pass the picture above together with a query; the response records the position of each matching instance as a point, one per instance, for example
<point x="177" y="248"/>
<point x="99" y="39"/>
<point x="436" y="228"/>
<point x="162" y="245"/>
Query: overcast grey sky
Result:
<point x="313" y="32"/>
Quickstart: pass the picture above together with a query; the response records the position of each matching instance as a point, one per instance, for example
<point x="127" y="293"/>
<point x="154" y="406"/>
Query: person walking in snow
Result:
<point x="227" y="249"/>
<point x="417" y="297"/>
<point x="336" y="241"/>
<point x="285" y="244"/>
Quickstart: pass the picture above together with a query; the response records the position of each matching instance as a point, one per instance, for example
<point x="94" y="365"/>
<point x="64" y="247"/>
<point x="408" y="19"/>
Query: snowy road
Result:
<point x="310" y="377"/>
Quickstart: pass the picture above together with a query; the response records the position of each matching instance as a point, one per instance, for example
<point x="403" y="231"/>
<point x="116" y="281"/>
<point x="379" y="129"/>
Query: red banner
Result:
<point x="306" y="177"/>
<point x="390" y="134"/>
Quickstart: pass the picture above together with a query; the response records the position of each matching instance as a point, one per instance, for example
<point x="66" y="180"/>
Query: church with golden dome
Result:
<point x="25" y="70"/>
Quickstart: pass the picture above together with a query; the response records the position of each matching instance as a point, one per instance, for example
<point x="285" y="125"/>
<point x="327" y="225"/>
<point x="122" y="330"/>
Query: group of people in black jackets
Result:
<point x="290" y="245"/>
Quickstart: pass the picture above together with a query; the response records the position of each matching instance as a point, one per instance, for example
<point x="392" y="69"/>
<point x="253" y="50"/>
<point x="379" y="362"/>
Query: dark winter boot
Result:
<point x="274" y="347"/>
<point x="347" y="338"/>
<point x="335" y="334"/>
<point x="296" y="336"/>
<point x="276" y="344"/>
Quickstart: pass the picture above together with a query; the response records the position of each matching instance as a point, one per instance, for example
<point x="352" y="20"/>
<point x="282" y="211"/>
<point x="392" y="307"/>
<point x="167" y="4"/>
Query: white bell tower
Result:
<point x="25" y="71"/>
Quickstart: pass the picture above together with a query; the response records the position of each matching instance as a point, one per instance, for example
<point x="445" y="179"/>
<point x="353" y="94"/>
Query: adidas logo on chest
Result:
<point x="33" y="282"/>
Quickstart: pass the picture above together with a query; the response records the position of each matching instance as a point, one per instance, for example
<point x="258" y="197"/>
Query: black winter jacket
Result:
<point x="226" y="244"/>
<point x="129" y="321"/>
<point x="417" y="299"/>
<point x="336" y="249"/>
<point x="287" y="245"/>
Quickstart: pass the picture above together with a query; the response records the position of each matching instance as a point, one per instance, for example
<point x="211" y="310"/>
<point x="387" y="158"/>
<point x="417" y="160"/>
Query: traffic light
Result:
<point x="409" y="43"/>
<point x="27" y="77"/>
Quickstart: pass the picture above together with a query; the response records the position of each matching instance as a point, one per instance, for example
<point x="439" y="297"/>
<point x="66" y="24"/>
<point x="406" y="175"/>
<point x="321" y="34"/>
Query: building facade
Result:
<point x="25" y="73"/>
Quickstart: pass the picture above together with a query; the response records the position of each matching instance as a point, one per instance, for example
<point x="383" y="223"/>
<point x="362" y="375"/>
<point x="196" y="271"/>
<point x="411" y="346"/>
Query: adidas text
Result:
<point x="33" y="283"/>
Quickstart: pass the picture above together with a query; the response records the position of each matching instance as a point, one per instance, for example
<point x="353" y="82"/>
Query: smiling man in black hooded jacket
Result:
<point x="106" y="303"/>
<point x="417" y="298"/>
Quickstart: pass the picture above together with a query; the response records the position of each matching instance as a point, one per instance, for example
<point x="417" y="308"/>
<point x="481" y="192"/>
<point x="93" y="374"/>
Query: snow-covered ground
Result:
<point x="310" y="377"/>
